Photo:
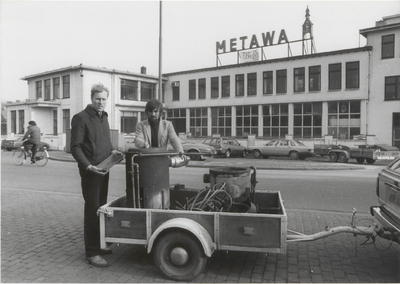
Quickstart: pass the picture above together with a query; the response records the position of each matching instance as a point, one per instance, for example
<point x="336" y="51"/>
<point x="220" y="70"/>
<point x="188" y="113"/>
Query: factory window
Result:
<point x="202" y="88"/>
<point x="192" y="89"/>
<point x="198" y="121"/>
<point x="275" y="120"/>
<point x="226" y="86"/>
<point x="38" y="89"/>
<point x="299" y="79"/>
<point x="335" y="76"/>
<point x="388" y="46"/>
<point x="175" y="93"/>
<point x="128" y="121"/>
<point x="21" y="121"/>
<point x="178" y="119"/>
<point x="352" y="75"/>
<point x="246" y="120"/>
<point x="56" y="88"/>
<point x="281" y="81"/>
<point x="344" y="119"/>
<point x="47" y="90"/>
<point x="66" y="120"/>
<point x="307" y="120"/>
<point x="392" y="88"/>
<point x="314" y="75"/>
<point x="252" y="84"/>
<point x="129" y="90"/>
<point x="239" y="85"/>
<point x="13" y="115"/>
<point x="66" y="87"/>
<point x="215" y="87"/>
<point x="147" y="91"/>
<point x="268" y="82"/>
<point x="221" y="121"/>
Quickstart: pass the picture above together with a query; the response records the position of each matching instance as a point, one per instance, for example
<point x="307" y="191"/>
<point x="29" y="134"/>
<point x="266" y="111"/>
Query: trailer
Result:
<point x="182" y="227"/>
<point x="361" y="153"/>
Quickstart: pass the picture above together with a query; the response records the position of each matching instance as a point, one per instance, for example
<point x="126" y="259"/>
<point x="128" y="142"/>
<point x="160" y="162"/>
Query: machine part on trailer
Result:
<point x="179" y="161"/>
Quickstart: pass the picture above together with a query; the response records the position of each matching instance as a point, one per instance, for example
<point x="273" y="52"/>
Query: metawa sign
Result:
<point x="267" y="39"/>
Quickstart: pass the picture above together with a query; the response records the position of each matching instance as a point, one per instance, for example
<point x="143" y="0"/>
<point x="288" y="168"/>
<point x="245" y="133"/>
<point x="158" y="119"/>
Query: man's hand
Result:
<point x="96" y="170"/>
<point x="117" y="152"/>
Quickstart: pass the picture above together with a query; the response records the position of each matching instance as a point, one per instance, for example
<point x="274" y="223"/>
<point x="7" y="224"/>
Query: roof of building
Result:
<point x="84" y="67"/>
<point x="386" y="23"/>
<point x="283" y="59"/>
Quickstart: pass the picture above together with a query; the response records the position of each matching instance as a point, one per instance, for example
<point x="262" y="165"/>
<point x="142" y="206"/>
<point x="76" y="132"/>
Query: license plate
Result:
<point x="394" y="198"/>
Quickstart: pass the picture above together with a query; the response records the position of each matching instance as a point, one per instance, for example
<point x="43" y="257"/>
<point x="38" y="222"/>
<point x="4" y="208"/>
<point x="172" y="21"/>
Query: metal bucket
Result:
<point x="237" y="181"/>
<point x="148" y="170"/>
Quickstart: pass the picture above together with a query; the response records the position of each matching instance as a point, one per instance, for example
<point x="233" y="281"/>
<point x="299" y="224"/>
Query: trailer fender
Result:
<point x="190" y="226"/>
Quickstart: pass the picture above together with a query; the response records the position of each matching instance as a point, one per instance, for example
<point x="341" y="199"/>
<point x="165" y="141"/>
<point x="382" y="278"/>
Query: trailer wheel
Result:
<point x="179" y="256"/>
<point x="333" y="157"/>
<point x="370" y="161"/>
<point x="342" y="158"/>
<point x="257" y="154"/>
<point x="294" y="155"/>
<point x="360" y="160"/>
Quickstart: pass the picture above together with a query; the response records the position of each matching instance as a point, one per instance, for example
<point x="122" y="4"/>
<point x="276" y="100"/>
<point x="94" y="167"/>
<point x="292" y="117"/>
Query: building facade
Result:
<point x="56" y="96"/>
<point x="346" y="95"/>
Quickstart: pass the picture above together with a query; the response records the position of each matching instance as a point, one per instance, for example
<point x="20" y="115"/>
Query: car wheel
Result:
<point x="360" y="160"/>
<point x="294" y="155"/>
<point x="193" y="157"/>
<point x="257" y="154"/>
<point x="370" y="161"/>
<point x="244" y="154"/>
<point x="228" y="153"/>
<point x="333" y="157"/>
<point x="342" y="158"/>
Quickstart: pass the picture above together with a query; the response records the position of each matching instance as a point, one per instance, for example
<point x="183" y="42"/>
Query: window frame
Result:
<point x="192" y="89"/>
<point x="388" y="46"/>
<point x="353" y="75"/>
<point x="335" y="77"/>
<point x="66" y="87"/>
<point x="202" y="88"/>
<point x="299" y="76"/>
<point x="314" y="74"/>
<point x="268" y="82"/>
<point x="225" y="86"/>
<point x="129" y="90"/>
<point x="392" y="88"/>
<point x="214" y="87"/>
<point x="39" y="91"/>
<point x="252" y="84"/>
<point x="281" y="81"/>
<point x="239" y="85"/>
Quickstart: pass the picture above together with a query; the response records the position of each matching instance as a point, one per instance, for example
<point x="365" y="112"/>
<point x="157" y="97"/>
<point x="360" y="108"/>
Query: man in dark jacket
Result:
<point x="90" y="145"/>
<point x="32" y="136"/>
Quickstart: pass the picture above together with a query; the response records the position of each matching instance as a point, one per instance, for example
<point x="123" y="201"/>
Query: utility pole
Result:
<point x="160" y="57"/>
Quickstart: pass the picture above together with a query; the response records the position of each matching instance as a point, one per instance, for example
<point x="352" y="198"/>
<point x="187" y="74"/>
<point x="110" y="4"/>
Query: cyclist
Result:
<point x="32" y="136"/>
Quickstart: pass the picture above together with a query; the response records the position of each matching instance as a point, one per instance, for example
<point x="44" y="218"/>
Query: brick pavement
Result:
<point x="42" y="241"/>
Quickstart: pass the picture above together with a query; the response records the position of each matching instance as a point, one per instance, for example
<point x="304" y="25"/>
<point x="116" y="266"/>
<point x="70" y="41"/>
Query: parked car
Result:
<point x="226" y="146"/>
<point x="388" y="192"/>
<point x="193" y="149"/>
<point x="12" y="144"/>
<point x="282" y="148"/>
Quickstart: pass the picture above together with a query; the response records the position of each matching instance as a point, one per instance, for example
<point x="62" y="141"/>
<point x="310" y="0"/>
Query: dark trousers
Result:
<point x="28" y="143"/>
<point x="95" y="191"/>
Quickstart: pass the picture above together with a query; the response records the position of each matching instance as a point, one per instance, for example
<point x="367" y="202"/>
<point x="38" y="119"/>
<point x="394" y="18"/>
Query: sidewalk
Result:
<point x="314" y="163"/>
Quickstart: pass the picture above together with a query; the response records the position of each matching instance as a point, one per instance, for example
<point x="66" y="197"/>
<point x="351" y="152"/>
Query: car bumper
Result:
<point x="386" y="219"/>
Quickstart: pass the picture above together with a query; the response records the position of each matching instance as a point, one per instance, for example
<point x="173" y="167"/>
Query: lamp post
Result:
<point x="160" y="57"/>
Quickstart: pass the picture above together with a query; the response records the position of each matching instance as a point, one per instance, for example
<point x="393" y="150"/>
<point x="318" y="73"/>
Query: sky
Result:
<point x="40" y="36"/>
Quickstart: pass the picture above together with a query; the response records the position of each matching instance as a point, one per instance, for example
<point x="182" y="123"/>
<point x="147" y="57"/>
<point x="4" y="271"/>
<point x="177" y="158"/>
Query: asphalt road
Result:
<point x="337" y="190"/>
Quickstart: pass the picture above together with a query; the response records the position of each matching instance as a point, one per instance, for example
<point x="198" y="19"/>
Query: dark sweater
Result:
<point x="90" y="138"/>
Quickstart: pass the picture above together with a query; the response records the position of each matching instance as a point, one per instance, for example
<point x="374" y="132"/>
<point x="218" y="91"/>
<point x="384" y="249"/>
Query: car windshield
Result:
<point x="299" y="143"/>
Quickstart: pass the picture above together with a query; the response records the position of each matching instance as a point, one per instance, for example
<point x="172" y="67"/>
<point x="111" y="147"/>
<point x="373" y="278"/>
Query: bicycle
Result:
<point x="41" y="156"/>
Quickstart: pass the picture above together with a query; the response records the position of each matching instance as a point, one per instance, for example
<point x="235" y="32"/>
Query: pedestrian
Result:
<point x="91" y="144"/>
<point x="156" y="132"/>
<point x="32" y="136"/>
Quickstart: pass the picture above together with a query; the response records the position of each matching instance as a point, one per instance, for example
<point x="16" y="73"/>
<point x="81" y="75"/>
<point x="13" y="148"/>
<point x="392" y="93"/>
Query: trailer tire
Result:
<point x="370" y="161"/>
<point x="342" y="158"/>
<point x="179" y="256"/>
<point x="333" y="157"/>
<point x="360" y="160"/>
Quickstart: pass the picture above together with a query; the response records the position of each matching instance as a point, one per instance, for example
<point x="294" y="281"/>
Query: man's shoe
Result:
<point x="105" y="251"/>
<point x="32" y="162"/>
<point x="97" y="261"/>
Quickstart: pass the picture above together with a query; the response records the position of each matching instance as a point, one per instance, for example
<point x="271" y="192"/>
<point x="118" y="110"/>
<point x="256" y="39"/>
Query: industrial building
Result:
<point x="343" y="95"/>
